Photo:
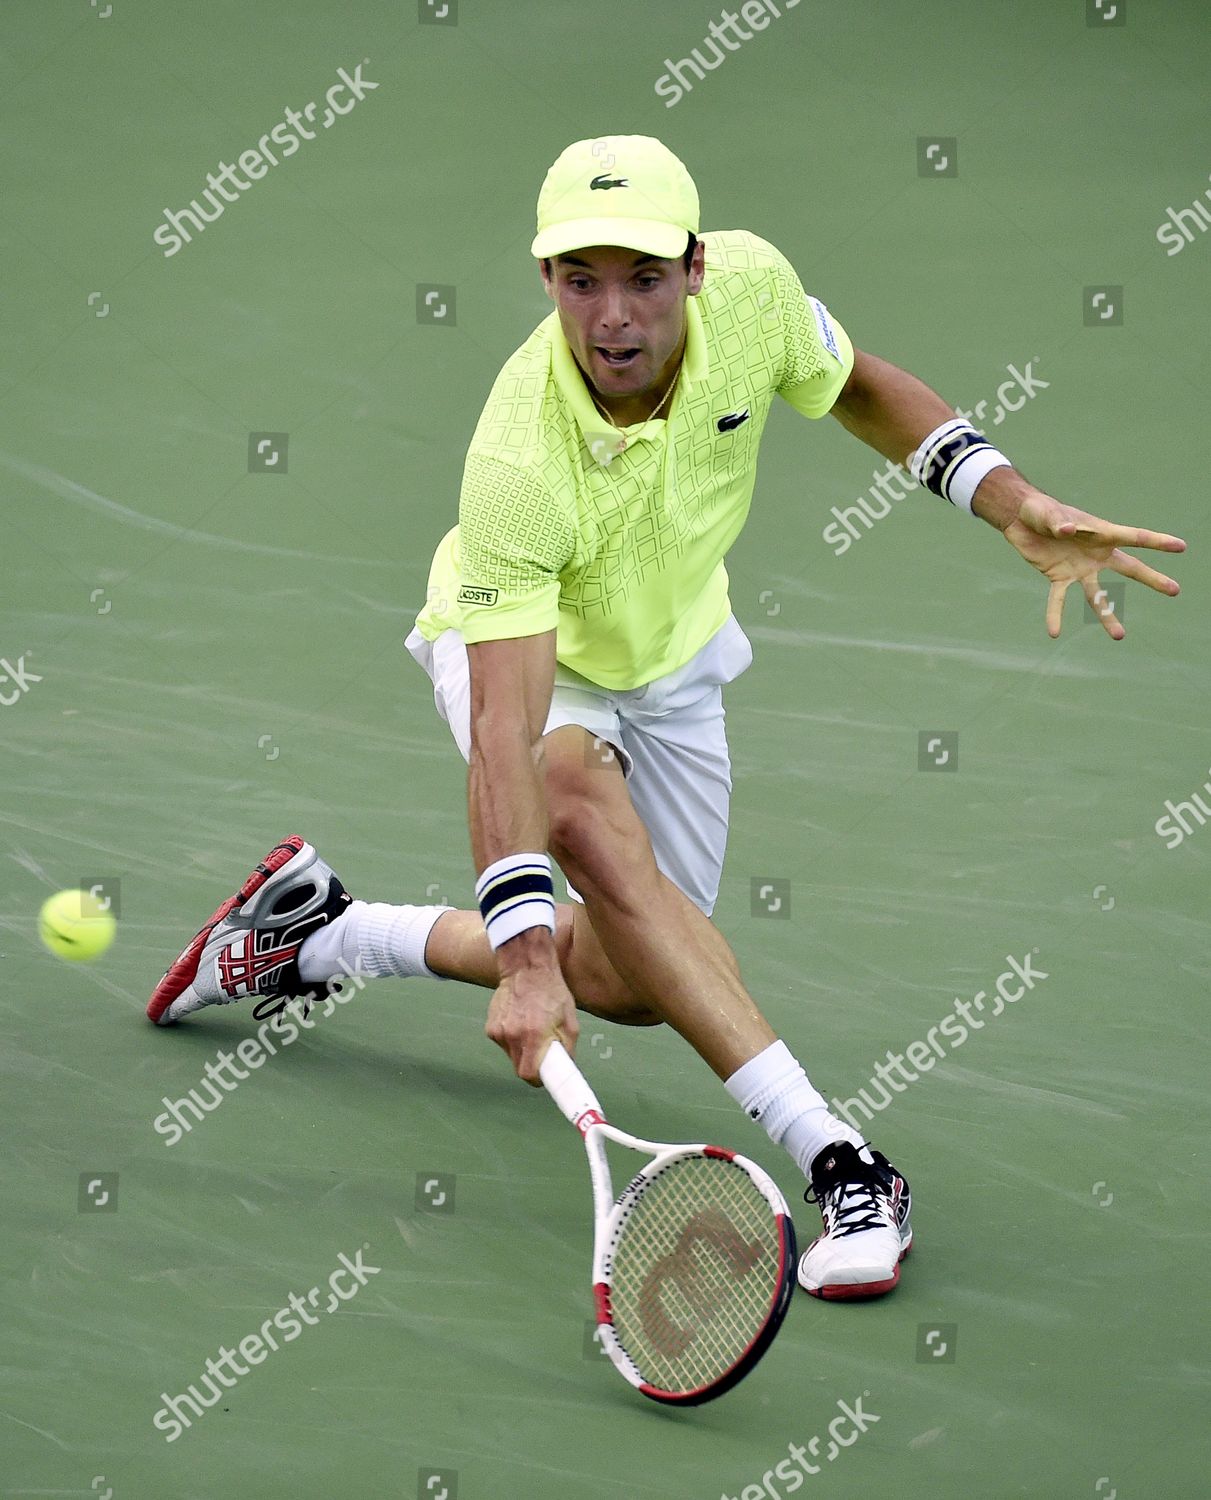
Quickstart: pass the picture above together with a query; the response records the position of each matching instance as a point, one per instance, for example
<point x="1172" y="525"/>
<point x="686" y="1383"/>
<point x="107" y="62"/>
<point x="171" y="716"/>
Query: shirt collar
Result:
<point x="602" y="439"/>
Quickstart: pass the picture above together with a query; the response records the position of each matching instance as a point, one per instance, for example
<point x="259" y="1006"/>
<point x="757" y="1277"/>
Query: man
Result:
<point x="578" y="635"/>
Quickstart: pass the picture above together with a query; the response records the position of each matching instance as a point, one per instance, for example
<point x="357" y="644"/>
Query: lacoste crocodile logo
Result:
<point x="609" y="182"/>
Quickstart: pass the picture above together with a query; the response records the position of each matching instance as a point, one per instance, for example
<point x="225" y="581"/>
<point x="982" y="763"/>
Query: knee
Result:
<point x="600" y="847"/>
<point x="576" y="826"/>
<point x="570" y="827"/>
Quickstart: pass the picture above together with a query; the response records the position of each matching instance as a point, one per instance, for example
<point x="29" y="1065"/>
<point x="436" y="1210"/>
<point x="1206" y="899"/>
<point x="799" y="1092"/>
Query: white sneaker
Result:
<point x="865" y="1207"/>
<point x="250" y="946"/>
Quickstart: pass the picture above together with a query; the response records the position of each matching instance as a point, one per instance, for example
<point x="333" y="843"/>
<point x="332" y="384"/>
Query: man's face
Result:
<point x="610" y="298"/>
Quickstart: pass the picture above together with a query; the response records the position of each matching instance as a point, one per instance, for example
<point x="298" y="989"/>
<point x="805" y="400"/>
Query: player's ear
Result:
<point x="548" y="284"/>
<point x="697" y="270"/>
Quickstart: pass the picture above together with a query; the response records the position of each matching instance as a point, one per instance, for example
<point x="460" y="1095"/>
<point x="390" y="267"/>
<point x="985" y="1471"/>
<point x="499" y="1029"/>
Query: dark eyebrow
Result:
<point x="571" y="260"/>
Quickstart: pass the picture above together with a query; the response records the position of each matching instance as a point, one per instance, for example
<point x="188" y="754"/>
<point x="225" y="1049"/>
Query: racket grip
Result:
<point x="565" y="1083"/>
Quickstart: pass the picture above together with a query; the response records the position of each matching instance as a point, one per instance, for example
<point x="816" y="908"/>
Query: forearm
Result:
<point x="511" y="683"/>
<point x="507" y="815"/>
<point x="893" y="412"/>
<point x="505" y="804"/>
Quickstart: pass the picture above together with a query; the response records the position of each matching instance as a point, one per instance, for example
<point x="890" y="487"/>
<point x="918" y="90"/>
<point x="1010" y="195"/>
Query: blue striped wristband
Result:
<point x="516" y="893"/>
<point x="953" y="459"/>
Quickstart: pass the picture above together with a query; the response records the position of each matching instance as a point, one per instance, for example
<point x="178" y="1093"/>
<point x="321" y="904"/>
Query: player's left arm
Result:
<point x="894" y="413"/>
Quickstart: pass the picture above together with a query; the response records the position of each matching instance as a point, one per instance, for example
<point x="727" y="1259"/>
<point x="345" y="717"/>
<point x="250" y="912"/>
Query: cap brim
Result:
<point x="665" y="240"/>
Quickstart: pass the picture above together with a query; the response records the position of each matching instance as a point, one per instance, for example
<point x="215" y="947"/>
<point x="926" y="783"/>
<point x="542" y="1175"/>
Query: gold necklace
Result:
<point x="622" y="442"/>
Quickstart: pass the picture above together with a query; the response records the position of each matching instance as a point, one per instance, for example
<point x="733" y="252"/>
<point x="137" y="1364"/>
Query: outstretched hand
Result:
<point x="1070" y="546"/>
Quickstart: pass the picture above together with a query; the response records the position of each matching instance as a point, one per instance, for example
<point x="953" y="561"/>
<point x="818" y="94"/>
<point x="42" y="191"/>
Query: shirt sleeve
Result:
<point x="514" y="541"/>
<point x="818" y="353"/>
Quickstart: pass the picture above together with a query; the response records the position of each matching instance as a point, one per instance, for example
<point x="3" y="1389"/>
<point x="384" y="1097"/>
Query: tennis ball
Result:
<point x="75" y="925"/>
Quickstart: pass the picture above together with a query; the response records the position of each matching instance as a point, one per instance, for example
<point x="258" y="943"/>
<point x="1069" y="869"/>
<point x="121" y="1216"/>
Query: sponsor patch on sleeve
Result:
<point x="483" y="597"/>
<point x="828" y="335"/>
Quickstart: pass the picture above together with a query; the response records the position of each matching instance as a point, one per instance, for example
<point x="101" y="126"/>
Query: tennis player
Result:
<point x="578" y="636"/>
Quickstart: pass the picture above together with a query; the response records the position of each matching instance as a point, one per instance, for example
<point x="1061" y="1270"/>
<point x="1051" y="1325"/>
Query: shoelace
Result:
<point x="853" y="1205"/>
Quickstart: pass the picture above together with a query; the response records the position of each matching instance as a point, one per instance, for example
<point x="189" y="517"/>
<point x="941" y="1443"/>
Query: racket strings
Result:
<point x="696" y="1272"/>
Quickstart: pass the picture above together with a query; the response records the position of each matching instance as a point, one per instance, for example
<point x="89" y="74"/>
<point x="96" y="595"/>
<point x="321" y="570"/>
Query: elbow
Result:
<point x="857" y="391"/>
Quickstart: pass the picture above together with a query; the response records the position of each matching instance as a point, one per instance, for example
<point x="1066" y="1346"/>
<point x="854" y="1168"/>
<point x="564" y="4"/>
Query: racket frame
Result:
<point x="570" y="1090"/>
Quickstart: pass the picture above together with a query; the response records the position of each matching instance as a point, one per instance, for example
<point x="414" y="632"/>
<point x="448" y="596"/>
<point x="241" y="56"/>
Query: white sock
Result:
<point x="372" y="938"/>
<point x="773" y="1088"/>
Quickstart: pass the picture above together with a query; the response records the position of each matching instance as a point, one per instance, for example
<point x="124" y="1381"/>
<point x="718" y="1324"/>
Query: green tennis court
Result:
<point x="224" y="471"/>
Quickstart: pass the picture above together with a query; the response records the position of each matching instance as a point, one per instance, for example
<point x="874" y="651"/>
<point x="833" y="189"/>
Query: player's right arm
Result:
<point x="515" y="537"/>
<point x="511" y="684"/>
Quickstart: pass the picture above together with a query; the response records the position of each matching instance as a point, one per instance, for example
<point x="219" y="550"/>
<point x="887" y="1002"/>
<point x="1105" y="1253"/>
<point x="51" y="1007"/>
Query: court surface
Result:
<point x="213" y="659"/>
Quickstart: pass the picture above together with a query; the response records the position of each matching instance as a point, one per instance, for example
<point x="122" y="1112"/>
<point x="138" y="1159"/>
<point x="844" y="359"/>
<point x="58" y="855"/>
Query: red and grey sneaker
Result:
<point x="865" y="1208"/>
<point x="251" y="944"/>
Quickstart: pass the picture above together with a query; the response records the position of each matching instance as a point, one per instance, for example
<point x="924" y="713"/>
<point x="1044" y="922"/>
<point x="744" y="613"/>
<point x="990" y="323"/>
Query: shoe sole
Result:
<point x="184" y="971"/>
<point x="844" y="1291"/>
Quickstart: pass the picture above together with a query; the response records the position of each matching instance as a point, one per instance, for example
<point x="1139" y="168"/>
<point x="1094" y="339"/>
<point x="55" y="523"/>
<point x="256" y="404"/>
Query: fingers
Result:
<point x="1131" y="567"/>
<point x="528" y="1052"/>
<point x="568" y="1032"/>
<point x="1055" y="606"/>
<point x="1099" y="601"/>
<point x="526" y="1042"/>
<point x="1103" y="606"/>
<point x="526" y="1063"/>
<point x="1092" y="528"/>
<point x="1136" y="536"/>
<point x="527" y="1055"/>
<point x="523" y="1049"/>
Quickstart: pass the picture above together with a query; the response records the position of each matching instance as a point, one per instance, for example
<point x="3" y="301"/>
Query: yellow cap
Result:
<point x="625" y="190"/>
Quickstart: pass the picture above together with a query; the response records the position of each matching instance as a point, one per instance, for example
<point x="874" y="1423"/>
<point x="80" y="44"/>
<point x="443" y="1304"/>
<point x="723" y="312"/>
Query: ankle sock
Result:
<point x="773" y="1089"/>
<point x="372" y="938"/>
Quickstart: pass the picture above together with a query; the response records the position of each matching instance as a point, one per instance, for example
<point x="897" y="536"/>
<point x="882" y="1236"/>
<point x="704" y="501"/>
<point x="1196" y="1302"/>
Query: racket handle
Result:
<point x="566" y="1084"/>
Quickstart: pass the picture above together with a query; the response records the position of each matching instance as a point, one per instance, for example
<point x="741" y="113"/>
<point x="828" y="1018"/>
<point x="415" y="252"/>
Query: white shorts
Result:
<point x="670" y="735"/>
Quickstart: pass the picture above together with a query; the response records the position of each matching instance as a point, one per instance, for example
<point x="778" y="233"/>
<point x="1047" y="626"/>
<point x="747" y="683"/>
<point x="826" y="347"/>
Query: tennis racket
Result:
<point x="693" y="1265"/>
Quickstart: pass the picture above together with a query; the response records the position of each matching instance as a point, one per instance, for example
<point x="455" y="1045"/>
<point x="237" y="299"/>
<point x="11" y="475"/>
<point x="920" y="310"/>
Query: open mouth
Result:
<point x="617" y="359"/>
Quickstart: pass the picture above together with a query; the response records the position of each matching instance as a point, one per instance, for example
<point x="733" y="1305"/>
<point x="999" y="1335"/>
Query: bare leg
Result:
<point x="654" y="952"/>
<point x="458" y="947"/>
<point x="639" y="952"/>
<point x="671" y="957"/>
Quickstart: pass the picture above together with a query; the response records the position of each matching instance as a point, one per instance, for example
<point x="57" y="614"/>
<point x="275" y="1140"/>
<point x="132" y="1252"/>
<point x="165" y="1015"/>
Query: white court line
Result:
<point x="1000" y="660"/>
<point x="42" y="1432"/>
<point x="68" y="489"/>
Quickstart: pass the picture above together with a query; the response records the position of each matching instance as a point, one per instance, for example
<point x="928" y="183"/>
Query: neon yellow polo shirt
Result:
<point x="620" y="549"/>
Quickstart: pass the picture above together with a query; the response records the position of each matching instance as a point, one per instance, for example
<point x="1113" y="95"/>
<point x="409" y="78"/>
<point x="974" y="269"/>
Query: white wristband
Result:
<point x="514" y="894"/>
<point x="953" y="459"/>
<point x="970" y="470"/>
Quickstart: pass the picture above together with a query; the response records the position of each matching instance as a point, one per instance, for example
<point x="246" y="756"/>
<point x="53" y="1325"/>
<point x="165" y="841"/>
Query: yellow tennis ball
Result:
<point x="75" y="925"/>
